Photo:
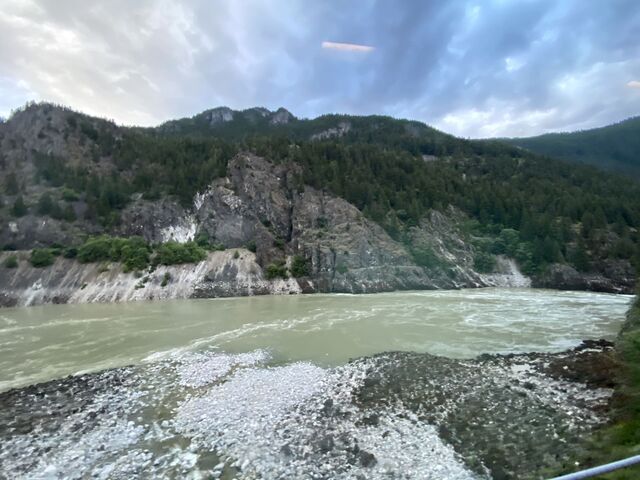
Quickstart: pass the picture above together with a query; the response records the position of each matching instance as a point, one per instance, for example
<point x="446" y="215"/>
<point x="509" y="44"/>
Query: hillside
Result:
<point x="614" y="147"/>
<point x="333" y="202"/>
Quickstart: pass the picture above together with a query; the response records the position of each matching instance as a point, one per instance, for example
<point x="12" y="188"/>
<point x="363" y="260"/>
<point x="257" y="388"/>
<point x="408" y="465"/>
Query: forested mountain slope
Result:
<point x="614" y="147"/>
<point x="334" y="200"/>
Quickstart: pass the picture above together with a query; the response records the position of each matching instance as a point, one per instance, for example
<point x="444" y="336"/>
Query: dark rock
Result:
<point x="615" y="276"/>
<point x="366" y="459"/>
<point x="326" y="444"/>
<point x="371" y="420"/>
<point x="286" y="451"/>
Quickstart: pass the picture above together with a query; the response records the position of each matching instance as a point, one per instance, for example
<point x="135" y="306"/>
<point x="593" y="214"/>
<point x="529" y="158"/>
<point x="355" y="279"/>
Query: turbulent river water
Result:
<point x="263" y="387"/>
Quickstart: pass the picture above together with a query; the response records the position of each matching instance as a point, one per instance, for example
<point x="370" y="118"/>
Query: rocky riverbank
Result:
<point x="393" y="415"/>
<point x="229" y="273"/>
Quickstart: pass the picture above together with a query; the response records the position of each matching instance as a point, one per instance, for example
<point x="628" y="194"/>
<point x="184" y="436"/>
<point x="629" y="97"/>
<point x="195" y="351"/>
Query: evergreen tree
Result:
<point x="19" y="208"/>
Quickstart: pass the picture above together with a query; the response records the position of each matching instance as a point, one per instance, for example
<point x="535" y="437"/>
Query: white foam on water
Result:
<point x="199" y="369"/>
<point x="258" y="412"/>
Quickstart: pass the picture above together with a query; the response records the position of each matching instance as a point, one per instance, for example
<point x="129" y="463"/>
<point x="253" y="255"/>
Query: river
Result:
<point x="271" y="355"/>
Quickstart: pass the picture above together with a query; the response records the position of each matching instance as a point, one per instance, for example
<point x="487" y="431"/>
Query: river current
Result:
<point x="263" y="387"/>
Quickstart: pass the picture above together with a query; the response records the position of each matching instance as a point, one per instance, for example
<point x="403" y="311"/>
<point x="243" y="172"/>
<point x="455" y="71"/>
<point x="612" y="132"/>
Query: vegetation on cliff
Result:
<point x="394" y="171"/>
<point x="134" y="253"/>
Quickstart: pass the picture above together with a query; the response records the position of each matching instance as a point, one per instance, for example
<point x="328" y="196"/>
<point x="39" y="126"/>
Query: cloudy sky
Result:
<point x="473" y="68"/>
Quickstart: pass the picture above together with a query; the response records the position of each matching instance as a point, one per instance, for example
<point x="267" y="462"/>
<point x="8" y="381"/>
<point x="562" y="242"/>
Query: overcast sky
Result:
<point x="472" y="68"/>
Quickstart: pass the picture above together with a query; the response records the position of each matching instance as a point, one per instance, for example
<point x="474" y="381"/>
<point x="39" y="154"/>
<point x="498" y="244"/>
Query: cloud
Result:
<point x="633" y="84"/>
<point x="474" y="69"/>
<point x="347" y="47"/>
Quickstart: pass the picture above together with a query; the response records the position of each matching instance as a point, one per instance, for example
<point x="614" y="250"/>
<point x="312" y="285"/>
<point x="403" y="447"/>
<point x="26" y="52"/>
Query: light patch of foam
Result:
<point x="269" y="422"/>
<point x="242" y="415"/>
<point x="199" y="369"/>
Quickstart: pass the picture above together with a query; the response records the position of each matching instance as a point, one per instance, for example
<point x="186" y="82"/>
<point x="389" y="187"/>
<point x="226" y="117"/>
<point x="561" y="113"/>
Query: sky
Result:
<point x="471" y="68"/>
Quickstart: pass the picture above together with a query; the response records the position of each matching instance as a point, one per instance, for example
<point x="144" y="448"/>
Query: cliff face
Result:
<point x="255" y="204"/>
<point x="265" y="206"/>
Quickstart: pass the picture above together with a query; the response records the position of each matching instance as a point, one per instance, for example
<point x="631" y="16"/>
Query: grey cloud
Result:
<point x="444" y="63"/>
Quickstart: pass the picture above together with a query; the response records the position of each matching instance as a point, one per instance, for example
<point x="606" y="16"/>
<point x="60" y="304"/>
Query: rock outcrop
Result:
<point x="259" y="206"/>
<point x="223" y="274"/>
<point x="619" y="278"/>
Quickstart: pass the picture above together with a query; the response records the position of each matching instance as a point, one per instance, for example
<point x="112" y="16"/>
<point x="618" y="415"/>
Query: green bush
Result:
<point x="69" y="195"/>
<point x="134" y="257"/>
<point x="276" y="270"/>
<point x="484" y="262"/>
<point x="11" y="261"/>
<point x="41" y="257"/>
<point x="251" y="246"/>
<point x="172" y="253"/>
<point x="202" y="239"/>
<point x="299" y="266"/>
<point x="236" y="255"/>
<point x="133" y="253"/>
<point x="19" y="208"/>
<point x="70" y="252"/>
<point x="96" y="249"/>
<point x="165" y="279"/>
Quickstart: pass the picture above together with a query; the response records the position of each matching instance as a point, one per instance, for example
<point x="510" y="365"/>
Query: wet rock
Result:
<point x="614" y="276"/>
<point x="326" y="444"/>
<point x="286" y="451"/>
<point x="371" y="420"/>
<point x="366" y="459"/>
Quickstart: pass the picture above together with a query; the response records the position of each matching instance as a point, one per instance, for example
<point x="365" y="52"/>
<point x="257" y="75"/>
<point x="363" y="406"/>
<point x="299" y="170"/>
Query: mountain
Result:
<point x="615" y="147"/>
<point x="245" y="202"/>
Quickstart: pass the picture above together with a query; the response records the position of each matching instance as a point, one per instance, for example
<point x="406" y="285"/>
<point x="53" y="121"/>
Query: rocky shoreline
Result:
<point x="393" y="415"/>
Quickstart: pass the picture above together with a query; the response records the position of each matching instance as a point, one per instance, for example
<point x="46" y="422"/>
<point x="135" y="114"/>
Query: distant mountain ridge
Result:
<point x="614" y="147"/>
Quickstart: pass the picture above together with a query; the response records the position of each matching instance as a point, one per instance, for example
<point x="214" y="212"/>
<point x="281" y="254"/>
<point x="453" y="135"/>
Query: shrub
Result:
<point x="251" y="246"/>
<point x="202" y="239"/>
<point x="165" y="279"/>
<point x="172" y="253"/>
<point x="276" y="270"/>
<point x="135" y="257"/>
<point x="19" y="208"/>
<point x="132" y="252"/>
<point x="70" y="252"/>
<point x="96" y="249"/>
<point x="41" y="257"/>
<point x="69" y="195"/>
<point x="68" y="214"/>
<point x="11" y="261"/>
<point x="299" y="266"/>
<point x="45" y="204"/>
<point x="484" y="262"/>
<point x="236" y="255"/>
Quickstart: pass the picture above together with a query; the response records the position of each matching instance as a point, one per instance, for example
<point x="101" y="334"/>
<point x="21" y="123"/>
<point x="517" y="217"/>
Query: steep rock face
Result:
<point x="281" y="117"/>
<point x="263" y="207"/>
<point x="267" y="204"/>
<point x="335" y="132"/>
<point x="222" y="274"/>
<point x="617" y="277"/>
<point x="156" y="221"/>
